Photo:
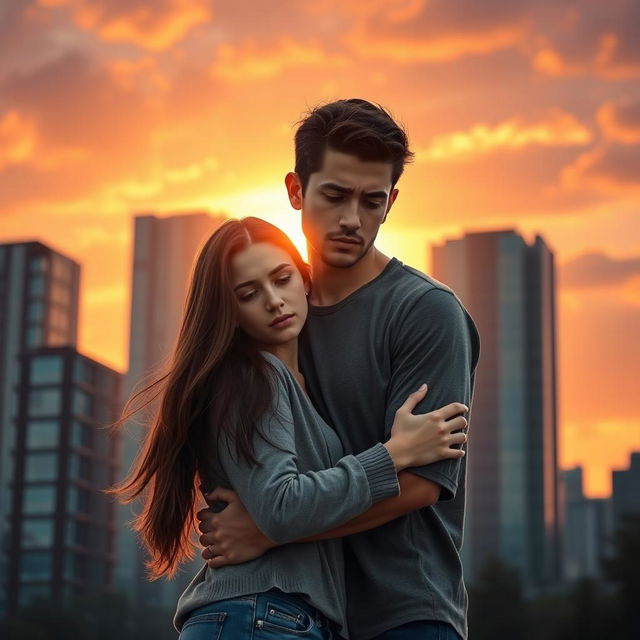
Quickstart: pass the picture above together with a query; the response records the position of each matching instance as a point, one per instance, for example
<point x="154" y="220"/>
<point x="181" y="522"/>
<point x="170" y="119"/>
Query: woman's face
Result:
<point x="271" y="294"/>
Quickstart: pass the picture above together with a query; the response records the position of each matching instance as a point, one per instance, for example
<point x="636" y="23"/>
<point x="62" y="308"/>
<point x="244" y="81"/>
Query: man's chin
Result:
<point x="341" y="261"/>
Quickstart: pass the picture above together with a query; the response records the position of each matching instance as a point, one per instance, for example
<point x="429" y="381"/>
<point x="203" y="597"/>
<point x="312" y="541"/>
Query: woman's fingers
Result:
<point x="455" y="424"/>
<point x="413" y="399"/>
<point x="217" y="562"/>
<point x="451" y="410"/>
<point x="457" y="438"/>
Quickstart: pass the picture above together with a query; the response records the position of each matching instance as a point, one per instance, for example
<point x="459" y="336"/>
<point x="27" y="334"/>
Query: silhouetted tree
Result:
<point x="94" y="617"/>
<point x="623" y="571"/>
<point x="588" y="613"/>
<point x="497" y="610"/>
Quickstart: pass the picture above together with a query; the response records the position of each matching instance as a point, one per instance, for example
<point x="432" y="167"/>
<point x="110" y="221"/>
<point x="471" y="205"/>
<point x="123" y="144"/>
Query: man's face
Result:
<point x="344" y="205"/>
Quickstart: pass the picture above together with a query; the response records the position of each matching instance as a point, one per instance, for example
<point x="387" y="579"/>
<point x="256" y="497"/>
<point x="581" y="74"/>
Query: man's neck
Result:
<point x="332" y="284"/>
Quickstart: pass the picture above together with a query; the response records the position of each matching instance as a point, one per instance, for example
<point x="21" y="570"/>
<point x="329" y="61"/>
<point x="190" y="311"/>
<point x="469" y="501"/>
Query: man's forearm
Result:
<point x="415" y="493"/>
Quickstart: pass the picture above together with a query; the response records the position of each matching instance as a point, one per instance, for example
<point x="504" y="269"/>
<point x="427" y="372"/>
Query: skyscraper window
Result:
<point x="44" y="402"/>
<point x="46" y="369"/>
<point x="41" y="467"/>
<point x="38" y="500"/>
<point x="43" y="434"/>
<point x="37" y="532"/>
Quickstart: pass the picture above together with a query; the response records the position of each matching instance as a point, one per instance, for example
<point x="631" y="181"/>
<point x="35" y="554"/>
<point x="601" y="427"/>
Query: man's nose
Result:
<point x="350" y="218"/>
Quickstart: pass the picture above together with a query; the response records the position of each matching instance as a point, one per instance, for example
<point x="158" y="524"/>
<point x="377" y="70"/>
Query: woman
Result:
<point x="233" y="412"/>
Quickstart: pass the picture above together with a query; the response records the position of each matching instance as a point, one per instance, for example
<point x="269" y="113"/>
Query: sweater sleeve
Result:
<point x="287" y="504"/>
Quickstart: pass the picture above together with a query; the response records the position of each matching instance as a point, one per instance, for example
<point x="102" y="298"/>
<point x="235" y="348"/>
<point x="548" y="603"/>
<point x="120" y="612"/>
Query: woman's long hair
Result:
<point x="216" y="383"/>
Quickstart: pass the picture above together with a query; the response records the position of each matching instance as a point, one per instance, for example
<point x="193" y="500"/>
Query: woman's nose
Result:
<point x="274" y="301"/>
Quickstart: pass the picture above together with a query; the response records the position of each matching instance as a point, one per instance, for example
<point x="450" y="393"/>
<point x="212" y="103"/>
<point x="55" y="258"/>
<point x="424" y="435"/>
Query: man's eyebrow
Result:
<point x="273" y="272"/>
<point x="347" y="190"/>
<point x="375" y="194"/>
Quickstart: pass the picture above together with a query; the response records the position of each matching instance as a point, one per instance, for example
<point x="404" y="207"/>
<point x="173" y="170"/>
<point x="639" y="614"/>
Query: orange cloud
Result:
<point x="556" y="128"/>
<point x="549" y="61"/>
<point x="595" y="269"/>
<point x="21" y="144"/>
<point x="603" y="61"/>
<point x="152" y="24"/>
<point x="434" y="49"/>
<point x="620" y="122"/>
<point x="246" y="61"/>
<point x="129" y="74"/>
<point x="17" y="138"/>
<point x="610" y="169"/>
<point x="427" y="30"/>
<point x="433" y="32"/>
<point x="599" y="38"/>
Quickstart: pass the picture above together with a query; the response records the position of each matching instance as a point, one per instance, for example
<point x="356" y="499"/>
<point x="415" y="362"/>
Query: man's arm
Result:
<point x="231" y="536"/>
<point x="415" y="493"/>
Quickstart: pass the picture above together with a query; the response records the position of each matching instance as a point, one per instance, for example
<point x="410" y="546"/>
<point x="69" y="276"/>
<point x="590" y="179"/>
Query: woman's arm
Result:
<point x="231" y="536"/>
<point x="287" y="504"/>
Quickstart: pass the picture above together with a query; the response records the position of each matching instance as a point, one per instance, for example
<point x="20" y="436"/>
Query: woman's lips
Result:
<point x="282" y="321"/>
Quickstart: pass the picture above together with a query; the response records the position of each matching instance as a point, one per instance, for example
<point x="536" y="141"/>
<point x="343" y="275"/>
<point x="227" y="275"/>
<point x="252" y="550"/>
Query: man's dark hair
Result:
<point x="352" y="126"/>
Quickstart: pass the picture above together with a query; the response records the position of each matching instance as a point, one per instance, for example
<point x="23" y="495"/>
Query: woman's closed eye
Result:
<point x="245" y="296"/>
<point x="282" y="280"/>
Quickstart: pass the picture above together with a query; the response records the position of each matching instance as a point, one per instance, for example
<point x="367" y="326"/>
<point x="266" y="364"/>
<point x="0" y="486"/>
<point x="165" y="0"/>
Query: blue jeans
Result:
<point x="268" y="615"/>
<point x="421" y="630"/>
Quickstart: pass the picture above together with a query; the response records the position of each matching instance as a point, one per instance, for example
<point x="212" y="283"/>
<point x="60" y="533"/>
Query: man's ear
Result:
<point x="294" y="189"/>
<point x="392" y="198"/>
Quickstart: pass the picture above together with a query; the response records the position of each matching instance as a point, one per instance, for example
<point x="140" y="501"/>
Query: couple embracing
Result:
<point x="322" y="411"/>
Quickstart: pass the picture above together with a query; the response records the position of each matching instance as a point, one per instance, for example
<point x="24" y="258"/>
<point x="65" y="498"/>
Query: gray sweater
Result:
<point x="304" y="485"/>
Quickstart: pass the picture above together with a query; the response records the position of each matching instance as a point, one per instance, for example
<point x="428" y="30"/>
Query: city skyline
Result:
<point x="603" y="489"/>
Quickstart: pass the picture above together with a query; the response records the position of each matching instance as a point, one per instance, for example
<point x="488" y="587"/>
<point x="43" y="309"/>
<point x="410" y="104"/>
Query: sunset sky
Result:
<point x="522" y="114"/>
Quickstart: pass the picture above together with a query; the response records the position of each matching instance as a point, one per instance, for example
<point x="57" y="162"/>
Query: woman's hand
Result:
<point x="421" y="439"/>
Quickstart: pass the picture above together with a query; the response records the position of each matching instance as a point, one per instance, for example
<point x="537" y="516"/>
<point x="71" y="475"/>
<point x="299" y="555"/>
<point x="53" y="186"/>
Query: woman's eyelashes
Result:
<point x="250" y="294"/>
<point x="282" y="280"/>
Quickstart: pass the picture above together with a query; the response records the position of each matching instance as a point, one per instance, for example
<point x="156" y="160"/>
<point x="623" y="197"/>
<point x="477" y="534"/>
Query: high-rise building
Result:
<point x="62" y="524"/>
<point x="164" y="252"/>
<point x="39" y="307"/>
<point x="587" y="529"/>
<point x="625" y="485"/>
<point x="513" y="510"/>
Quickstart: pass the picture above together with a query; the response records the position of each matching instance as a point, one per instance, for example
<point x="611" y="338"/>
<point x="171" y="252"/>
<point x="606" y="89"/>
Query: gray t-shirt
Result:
<point x="361" y="358"/>
<point x="305" y="484"/>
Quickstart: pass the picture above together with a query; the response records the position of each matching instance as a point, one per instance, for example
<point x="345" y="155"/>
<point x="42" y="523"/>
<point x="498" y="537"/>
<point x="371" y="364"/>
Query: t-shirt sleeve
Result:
<point x="287" y="504"/>
<point x="436" y="343"/>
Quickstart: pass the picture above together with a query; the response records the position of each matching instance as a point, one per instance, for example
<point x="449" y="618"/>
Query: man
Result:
<point x="377" y="330"/>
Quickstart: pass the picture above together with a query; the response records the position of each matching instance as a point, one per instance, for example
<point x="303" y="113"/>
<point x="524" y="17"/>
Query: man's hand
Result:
<point x="230" y="536"/>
